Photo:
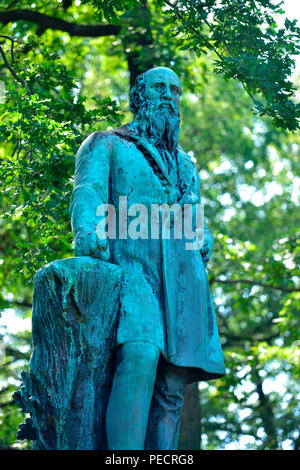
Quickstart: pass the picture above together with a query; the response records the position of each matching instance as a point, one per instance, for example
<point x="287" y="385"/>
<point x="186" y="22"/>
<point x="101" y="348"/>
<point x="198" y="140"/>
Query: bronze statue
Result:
<point x="158" y="325"/>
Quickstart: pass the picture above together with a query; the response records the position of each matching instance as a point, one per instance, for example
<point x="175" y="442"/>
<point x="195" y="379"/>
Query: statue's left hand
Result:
<point x="206" y="249"/>
<point x="88" y="244"/>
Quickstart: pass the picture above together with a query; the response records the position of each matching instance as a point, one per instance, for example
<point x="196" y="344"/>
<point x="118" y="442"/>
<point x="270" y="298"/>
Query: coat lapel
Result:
<point x="185" y="165"/>
<point x="130" y="131"/>
<point x="155" y="154"/>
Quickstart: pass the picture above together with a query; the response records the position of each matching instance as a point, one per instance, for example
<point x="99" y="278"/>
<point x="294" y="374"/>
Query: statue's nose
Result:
<point x="167" y="93"/>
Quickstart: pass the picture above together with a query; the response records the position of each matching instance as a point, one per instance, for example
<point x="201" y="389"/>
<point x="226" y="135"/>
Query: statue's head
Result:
<point x="154" y="100"/>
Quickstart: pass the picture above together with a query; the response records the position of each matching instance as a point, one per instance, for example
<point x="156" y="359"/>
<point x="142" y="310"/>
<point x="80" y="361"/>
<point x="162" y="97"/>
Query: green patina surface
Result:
<point x="82" y="309"/>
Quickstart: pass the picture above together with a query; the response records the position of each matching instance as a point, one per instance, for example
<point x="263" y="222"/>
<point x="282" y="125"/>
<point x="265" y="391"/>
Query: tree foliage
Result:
<point x="247" y="42"/>
<point x="66" y="69"/>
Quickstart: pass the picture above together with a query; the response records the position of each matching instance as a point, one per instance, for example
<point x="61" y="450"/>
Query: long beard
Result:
<point x="161" y="126"/>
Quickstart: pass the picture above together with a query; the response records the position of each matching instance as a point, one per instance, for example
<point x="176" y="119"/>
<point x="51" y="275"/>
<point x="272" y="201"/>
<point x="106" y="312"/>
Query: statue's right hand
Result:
<point x="89" y="244"/>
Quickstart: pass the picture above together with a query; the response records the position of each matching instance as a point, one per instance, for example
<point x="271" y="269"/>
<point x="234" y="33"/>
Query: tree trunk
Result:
<point x="137" y="41"/>
<point x="75" y="305"/>
<point x="267" y="415"/>
<point x="190" y="428"/>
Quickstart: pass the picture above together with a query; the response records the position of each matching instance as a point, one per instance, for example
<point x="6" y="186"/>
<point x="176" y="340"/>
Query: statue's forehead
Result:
<point x="161" y="74"/>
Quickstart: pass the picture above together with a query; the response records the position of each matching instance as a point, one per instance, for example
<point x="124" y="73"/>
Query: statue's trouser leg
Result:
<point x="166" y="407"/>
<point x="132" y="389"/>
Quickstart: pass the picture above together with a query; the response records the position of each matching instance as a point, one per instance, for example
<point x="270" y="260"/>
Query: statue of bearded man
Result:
<point x="167" y="334"/>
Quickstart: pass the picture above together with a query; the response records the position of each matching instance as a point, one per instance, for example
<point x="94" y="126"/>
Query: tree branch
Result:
<point x="4" y="303"/>
<point x="7" y="447"/>
<point x="50" y="22"/>
<point x="8" y="403"/>
<point x="17" y="355"/>
<point x="5" y="390"/>
<point x="12" y="41"/>
<point x="13" y="73"/>
<point x="207" y="42"/>
<point x="252" y="338"/>
<point x="253" y="283"/>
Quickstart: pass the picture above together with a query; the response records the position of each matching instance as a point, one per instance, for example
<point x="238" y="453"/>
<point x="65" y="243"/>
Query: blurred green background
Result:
<point x="239" y="125"/>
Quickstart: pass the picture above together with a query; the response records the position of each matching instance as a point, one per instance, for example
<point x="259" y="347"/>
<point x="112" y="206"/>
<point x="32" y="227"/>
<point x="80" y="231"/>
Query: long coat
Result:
<point x="165" y="296"/>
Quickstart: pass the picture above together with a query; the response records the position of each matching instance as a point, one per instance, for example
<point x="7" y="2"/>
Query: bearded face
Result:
<point x="161" y="125"/>
<point x="157" y="113"/>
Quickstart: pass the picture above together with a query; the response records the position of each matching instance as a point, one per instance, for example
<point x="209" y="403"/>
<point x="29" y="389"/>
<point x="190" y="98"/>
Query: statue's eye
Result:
<point x="174" y="89"/>
<point x="159" y="86"/>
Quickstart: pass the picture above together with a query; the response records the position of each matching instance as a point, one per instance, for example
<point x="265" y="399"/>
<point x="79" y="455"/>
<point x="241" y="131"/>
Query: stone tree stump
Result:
<point x="74" y="320"/>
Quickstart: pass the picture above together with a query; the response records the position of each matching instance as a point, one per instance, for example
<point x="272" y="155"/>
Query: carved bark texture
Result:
<point x="75" y="306"/>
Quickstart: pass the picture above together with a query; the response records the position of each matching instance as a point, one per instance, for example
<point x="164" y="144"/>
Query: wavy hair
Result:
<point x="137" y="93"/>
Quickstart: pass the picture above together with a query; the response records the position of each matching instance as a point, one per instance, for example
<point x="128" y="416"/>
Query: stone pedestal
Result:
<point x="74" y="319"/>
